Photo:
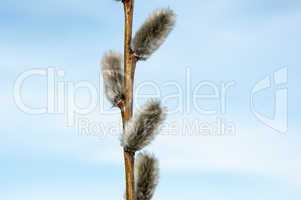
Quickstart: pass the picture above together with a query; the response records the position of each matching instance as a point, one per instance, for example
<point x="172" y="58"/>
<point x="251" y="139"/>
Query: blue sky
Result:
<point x="216" y="41"/>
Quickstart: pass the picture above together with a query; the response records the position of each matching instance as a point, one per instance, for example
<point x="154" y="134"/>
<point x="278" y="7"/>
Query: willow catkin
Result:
<point x="146" y="175"/>
<point x="113" y="77"/>
<point x="142" y="128"/>
<point x="153" y="33"/>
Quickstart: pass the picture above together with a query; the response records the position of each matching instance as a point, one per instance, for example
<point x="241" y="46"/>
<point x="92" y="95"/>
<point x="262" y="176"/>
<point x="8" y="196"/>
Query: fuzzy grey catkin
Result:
<point x="142" y="128"/>
<point x="113" y="77"/>
<point x="153" y="33"/>
<point x="146" y="176"/>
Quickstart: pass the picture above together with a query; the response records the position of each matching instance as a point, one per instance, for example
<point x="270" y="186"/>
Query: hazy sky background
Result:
<point x="217" y="41"/>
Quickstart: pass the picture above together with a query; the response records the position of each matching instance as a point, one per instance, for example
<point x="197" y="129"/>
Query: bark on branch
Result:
<point x="127" y="111"/>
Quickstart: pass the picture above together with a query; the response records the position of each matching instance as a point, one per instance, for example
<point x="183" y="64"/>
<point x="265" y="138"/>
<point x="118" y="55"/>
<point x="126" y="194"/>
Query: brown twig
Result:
<point x="127" y="110"/>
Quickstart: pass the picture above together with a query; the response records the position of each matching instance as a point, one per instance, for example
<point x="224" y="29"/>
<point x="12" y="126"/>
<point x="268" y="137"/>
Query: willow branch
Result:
<point x="127" y="111"/>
